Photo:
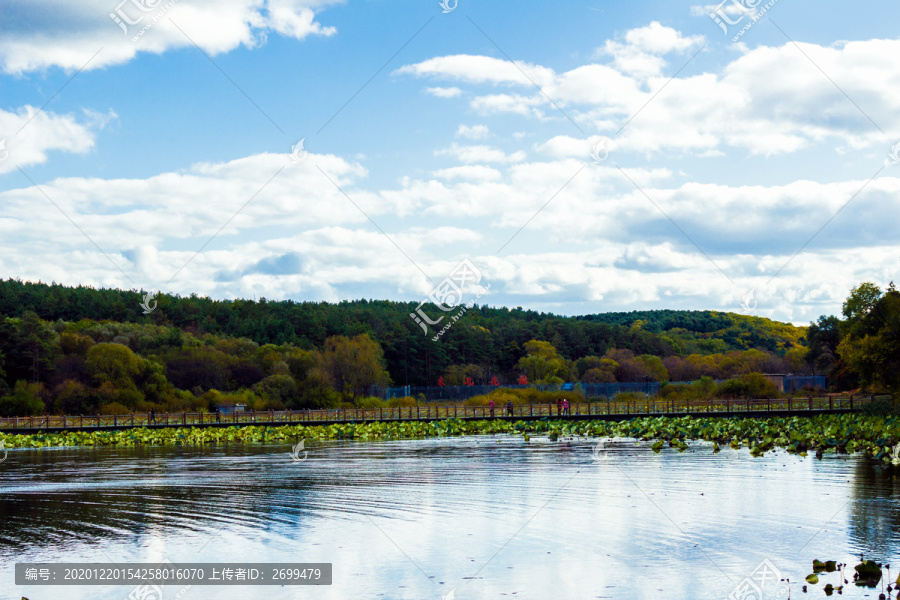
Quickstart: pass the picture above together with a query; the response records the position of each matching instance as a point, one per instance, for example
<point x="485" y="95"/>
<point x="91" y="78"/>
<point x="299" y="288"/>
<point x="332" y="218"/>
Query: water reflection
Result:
<point x="482" y="515"/>
<point x="874" y="514"/>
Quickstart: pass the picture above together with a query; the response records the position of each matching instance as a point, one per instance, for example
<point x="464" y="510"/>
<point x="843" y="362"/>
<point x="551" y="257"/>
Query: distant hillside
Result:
<point x="493" y="337"/>
<point x="706" y="327"/>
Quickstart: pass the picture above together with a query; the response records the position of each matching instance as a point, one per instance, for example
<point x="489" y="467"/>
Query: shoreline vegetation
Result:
<point x="874" y="436"/>
<point x="82" y="351"/>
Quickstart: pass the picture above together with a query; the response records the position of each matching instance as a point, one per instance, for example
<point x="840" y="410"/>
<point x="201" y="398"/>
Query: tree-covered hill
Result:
<point x="492" y="337"/>
<point x="80" y="350"/>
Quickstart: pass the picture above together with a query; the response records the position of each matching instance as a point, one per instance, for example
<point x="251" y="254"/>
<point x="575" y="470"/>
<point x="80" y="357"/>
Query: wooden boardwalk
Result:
<point x="609" y="410"/>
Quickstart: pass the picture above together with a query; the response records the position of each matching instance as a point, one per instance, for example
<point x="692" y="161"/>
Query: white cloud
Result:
<point x="729" y="8"/>
<point x="479" y="69"/>
<point x="58" y="34"/>
<point x="474" y="154"/>
<point x="469" y="172"/>
<point x="508" y="103"/>
<point x="593" y="237"/>
<point x="444" y="92"/>
<point x="29" y="134"/>
<point x="769" y="100"/>
<point x="474" y="132"/>
<point x="657" y="39"/>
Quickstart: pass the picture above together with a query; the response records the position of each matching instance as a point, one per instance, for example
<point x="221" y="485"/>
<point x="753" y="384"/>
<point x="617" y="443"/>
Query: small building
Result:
<point x="227" y="409"/>
<point x="777" y="379"/>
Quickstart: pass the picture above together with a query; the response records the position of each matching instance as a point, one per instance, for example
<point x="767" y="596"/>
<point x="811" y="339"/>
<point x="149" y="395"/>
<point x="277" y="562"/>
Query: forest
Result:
<point x="79" y="350"/>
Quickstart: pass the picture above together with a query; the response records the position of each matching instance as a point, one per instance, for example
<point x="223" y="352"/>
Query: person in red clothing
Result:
<point x="558" y="407"/>
<point x="492" y="408"/>
<point x="565" y="407"/>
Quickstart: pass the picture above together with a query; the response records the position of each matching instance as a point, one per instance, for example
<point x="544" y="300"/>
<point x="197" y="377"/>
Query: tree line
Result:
<point x="81" y="351"/>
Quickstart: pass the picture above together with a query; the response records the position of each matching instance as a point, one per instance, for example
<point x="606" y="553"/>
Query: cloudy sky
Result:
<point x="584" y="156"/>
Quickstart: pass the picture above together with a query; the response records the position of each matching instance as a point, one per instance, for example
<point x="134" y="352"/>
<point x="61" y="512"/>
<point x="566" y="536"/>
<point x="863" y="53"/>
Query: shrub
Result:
<point x="749" y="385"/>
<point x="73" y="398"/>
<point x="370" y="402"/>
<point x="404" y="401"/>
<point x="524" y="396"/>
<point x="114" y="408"/>
<point x="880" y="407"/>
<point x="24" y="401"/>
<point x="278" y="391"/>
<point x="703" y="389"/>
<point x="624" y="396"/>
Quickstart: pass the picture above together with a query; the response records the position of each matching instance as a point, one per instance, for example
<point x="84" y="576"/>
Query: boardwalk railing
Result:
<point x="644" y="406"/>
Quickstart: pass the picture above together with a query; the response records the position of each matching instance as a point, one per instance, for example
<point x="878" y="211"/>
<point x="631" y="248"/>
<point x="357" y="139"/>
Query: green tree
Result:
<point x="354" y="364"/>
<point x="871" y="346"/>
<point x="585" y="364"/>
<point x="114" y="363"/>
<point x="456" y="374"/>
<point x="542" y="364"/>
<point x="74" y="398"/>
<point x="823" y="339"/>
<point x="116" y="370"/>
<point x="35" y="345"/>
<point x="24" y="401"/>
<point x="75" y="343"/>
<point x="655" y="366"/>
<point x="748" y="385"/>
<point x="279" y="391"/>
<point x="861" y="301"/>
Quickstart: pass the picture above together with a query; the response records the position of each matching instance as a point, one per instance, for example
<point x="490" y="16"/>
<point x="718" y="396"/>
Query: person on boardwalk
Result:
<point x="565" y="407"/>
<point x="509" y="408"/>
<point x="151" y="416"/>
<point x="492" y="408"/>
<point x="558" y="406"/>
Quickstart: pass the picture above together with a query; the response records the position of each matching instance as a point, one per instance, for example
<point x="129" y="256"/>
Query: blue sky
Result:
<point x="425" y="145"/>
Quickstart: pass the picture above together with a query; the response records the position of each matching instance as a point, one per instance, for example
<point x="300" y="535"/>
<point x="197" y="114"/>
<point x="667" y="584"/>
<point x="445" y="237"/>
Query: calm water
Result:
<point x="417" y="519"/>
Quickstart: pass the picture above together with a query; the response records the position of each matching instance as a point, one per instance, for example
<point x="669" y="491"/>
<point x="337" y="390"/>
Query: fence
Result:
<point x="589" y="390"/>
<point x="798" y="382"/>
<point x="606" y="409"/>
<point x="464" y="392"/>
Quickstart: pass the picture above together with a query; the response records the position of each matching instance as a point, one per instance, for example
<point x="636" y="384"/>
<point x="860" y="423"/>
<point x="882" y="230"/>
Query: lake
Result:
<point x="470" y="517"/>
